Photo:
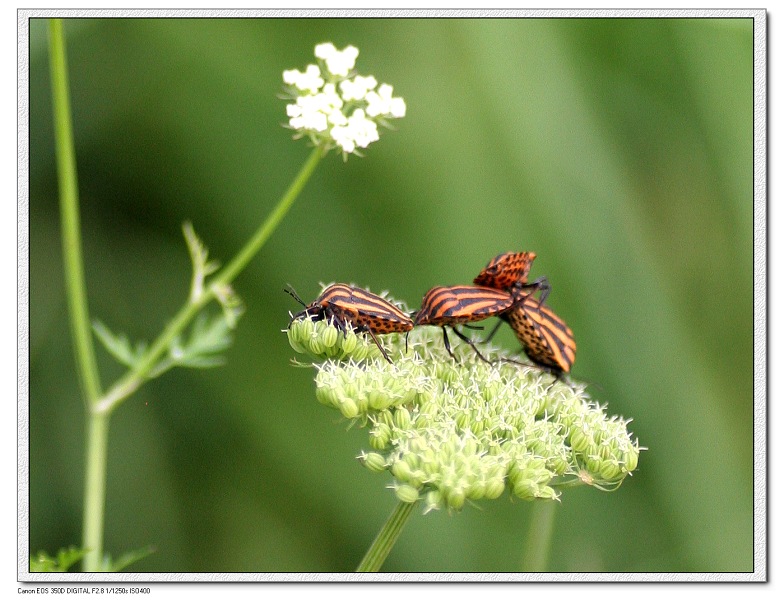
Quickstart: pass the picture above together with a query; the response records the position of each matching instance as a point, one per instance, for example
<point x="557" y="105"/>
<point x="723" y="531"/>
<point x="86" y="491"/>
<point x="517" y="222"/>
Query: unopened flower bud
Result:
<point x="406" y="493"/>
<point x="374" y="461"/>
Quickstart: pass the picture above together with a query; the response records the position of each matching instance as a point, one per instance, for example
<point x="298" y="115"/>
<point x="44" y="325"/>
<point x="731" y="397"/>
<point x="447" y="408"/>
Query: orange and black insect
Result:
<point x="545" y="337"/>
<point x="506" y="270"/>
<point x="509" y="272"/>
<point x="457" y="305"/>
<point x="360" y="310"/>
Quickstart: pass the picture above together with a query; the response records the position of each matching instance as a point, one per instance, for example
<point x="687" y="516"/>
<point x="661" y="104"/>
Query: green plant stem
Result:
<point x="135" y="377"/>
<point x="95" y="490"/>
<point x="540" y="534"/>
<point x="233" y="268"/>
<point x="100" y="406"/>
<point x="76" y="290"/>
<point x="69" y="215"/>
<point x="386" y="538"/>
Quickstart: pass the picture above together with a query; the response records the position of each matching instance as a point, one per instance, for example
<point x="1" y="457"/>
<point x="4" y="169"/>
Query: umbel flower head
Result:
<point x="450" y="432"/>
<point x="335" y="107"/>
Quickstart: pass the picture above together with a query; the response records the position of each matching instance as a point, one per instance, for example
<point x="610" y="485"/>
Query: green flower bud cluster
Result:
<point x="451" y="432"/>
<point x="357" y="390"/>
<point x="321" y="340"/>
<point x="602" y="447"/>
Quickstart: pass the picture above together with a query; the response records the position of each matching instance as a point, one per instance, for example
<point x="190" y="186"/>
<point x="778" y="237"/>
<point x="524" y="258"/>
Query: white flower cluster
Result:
<point x="455" y="431"/>
<point x="336" y="109"/>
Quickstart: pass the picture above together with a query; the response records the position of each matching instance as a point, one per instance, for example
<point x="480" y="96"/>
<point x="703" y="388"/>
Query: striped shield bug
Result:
<point x="457" y="305"/>
<point x="506" y="270"/>
<point x="509" y="272"/>
<point x="355" y="308"/>
<point x="545" y="337"/>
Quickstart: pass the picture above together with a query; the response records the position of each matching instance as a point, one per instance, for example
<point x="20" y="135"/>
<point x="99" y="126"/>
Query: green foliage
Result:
<point x="201" y="348"/>
<point x="119" y="346"/>
<point x="208" y="337"/>
<point x="65" y="559"/>
<point x="68" y="557"/>
<point x="125" y="560"/>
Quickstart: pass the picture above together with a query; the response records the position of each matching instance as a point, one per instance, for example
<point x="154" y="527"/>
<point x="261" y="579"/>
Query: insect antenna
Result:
<point x="290" y="291"/>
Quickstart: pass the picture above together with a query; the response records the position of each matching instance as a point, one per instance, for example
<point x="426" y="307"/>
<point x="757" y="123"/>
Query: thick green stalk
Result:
<point x="95" y="490"/>
<point x="382" y="545"/>
<point x="540" y="535"/>
<point x="76" y="290"/>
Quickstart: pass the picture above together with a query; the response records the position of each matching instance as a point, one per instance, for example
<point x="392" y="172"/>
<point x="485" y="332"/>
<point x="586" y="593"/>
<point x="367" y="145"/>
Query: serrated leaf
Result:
<point x="209" y="336"/>
<point x="206" y="339"/>
<point x="202" y="267"/>
<point x="118" y="345"/>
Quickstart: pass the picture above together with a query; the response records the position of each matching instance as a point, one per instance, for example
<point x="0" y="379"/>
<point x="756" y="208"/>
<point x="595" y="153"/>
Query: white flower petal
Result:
<point x="398" y="108"/>
<point x="325" y="50"/>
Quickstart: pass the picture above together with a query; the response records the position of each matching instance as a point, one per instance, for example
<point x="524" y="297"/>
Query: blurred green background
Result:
<point x="619" y="150"/>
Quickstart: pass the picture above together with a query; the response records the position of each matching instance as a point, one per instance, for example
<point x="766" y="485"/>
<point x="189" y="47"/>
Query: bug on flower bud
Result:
<point x="353" y="308"/>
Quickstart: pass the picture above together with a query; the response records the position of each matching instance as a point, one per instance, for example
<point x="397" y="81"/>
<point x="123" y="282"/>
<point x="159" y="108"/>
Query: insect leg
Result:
<point x="493" y="332"/>
<point x="542" y="284"/>
<point x="380" y="347"/>
<point x="468" y="341"/>
<point x="446" y="343"/>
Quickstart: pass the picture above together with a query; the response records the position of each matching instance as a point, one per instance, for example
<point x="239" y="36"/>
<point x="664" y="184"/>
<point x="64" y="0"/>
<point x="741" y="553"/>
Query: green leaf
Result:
<point x="118" y="345"/>
<point x="207" y="338"/>
<point x="126" y="559"/>
<point x="65" y="559"/>
<point x="198" y="252"/>
<point x="202" y="267"/>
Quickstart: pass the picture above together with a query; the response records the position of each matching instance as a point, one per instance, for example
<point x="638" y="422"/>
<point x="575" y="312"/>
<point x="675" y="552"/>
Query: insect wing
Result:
<point x="366" y="309"/>
<point x="555" y="345"/>
<point x="462" y="304"/>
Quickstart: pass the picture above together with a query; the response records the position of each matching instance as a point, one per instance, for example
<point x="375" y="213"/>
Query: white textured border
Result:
<point x="23" y="299"/>
<point x="760" y="304"/>
<point x="760" y="447"/>
<point x="420" y="13"/>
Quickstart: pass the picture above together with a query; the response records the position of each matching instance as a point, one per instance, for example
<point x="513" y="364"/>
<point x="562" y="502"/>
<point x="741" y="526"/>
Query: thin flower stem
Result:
<point x="239" y="262"/>
<point x="382" y="545"/>
<point x="130" y="382"/>
<point x="540" y="535"/>
<point x="69" y="212"/>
